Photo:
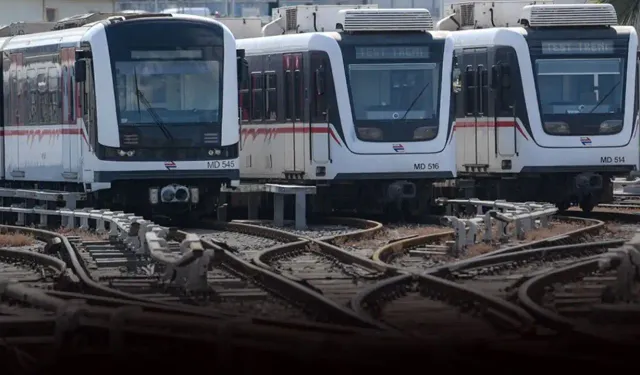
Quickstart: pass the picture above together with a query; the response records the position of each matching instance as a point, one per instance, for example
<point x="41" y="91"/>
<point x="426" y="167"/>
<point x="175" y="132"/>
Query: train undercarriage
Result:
<point x="585" y="190"/>
<point x="395" y="199"/>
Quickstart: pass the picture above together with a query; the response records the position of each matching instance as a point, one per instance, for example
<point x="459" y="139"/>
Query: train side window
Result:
<point x="7" y="90"/>
<point x="469" y="91"/>
<point x="257" y="99"/>
<point x="483" y="89"/>
<point x="42" y="97"/>
<point x="298" y="94"/>
<point x="55" y="93"/>
<point x="244" y="100"/>
<point x="271" y="96"/>
<point x="17" y="87"/>
<point x="32" y="97"/>
<point x="288" y="105"/>
<point x="4" y="88"/>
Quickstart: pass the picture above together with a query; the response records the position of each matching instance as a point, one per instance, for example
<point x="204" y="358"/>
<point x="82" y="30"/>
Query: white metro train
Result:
<point x="545" y="110"/>
<point x="353" y="101"/>
<point x="115" y="108"/>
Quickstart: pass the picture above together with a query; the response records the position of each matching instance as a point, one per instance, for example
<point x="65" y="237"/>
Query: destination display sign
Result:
<point x="167" y="54"/>
<point x="577" y="47"/>
<point x="393" y="52"/>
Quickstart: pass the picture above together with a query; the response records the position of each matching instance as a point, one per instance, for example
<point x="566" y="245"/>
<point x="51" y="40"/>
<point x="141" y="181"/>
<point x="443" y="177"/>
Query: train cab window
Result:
<point x="67" y="87"/>
<point x="320" y="99"/>
<point x="91" y="118"/>
<point x="637" y="88"/>
<point x="257" y="99"/>
<point x="271" y="96"/>
<point x="506" y="58"/>
<point x="244" y="99"/>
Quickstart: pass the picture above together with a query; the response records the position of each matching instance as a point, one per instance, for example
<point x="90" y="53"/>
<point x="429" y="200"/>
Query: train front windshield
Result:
<point x="394" y="91"/>
<point x="168" y="81"/>
<point x="176" y="87"/>
<point x="580" y="86"/>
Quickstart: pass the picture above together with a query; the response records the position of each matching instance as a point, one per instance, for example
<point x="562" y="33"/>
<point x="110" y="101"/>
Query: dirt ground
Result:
<point x="618" y="231"/>
<point x="16" y="240"/>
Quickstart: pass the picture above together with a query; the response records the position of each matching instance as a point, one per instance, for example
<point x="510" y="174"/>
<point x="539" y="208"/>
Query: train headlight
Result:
<point x="610" y="126"/>
<point x="122" y="153"/>
<point x="425" y="133"/>
<point x="370" y="134"/>
<point x="130" y="153"/>
<point x="168" y="193"/>
<point x="182" y="194"/>
<point x="153" y="195"/>
<point x="195" y="195"/>
<point x="557" y="127"/>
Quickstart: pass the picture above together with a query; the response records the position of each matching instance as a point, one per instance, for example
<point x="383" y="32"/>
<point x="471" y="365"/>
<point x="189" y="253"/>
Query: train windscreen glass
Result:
<point x="394" y="92"/>
<point x="170" y="86"/>
<point x="580" y="86"/>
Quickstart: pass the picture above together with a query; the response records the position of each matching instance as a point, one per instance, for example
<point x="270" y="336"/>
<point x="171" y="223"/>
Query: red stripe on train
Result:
<point x="41" y="133"/>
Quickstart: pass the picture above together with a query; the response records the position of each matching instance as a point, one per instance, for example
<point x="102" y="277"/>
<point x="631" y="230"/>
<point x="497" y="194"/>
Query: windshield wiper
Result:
<point x="150" y="110"/>
<point x="415" y="100"/>
<point x="606" y="96"/>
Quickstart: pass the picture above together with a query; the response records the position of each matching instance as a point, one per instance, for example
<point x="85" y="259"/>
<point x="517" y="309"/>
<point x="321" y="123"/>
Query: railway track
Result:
<point x="25" y="272"/>
<point x="230" y="291"/>
<point x="503" y="274"/>
<point x="324" y="268"/>
<point x="580" y="298"/>
<point x="234" y="287"/>
<point x="430" y="307"/>
<point x="428" y="252"/>
<point x="326" y="229"/>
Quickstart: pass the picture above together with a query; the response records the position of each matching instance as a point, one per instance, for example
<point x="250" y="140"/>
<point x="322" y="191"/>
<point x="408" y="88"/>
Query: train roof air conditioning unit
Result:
<point x="561" y="15"/>
<point x="358" y="20"/>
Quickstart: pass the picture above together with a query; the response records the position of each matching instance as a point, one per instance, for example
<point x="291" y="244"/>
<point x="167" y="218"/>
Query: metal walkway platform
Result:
<point x="279" y="191"/>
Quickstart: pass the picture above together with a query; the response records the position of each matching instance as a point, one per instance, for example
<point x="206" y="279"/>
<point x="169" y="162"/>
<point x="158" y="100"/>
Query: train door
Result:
<point x="294" y="113"/>
<point x="72" y="136"/>
<point x="15" y="117"/>
<point x="474" y="63"/>
<point x="319" y="131"/>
